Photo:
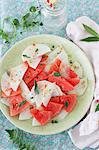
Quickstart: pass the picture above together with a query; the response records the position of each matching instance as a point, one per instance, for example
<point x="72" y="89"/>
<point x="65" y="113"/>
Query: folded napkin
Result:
<point x="86" y="134"/>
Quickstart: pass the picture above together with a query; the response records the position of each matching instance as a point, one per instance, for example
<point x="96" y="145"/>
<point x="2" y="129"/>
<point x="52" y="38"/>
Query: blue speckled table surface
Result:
<point x="14" y="8"/>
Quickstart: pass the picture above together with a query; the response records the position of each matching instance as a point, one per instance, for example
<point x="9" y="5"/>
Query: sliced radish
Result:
<point x="61" y="115"/>
<point x="5" y="84"/>
<point x="63" y="57"/>
<point x="33" y="54"/>
<point x="16" y="75"/>
<point x="80" y="88"/>
<point x="25" y="114"/>
<point x="34" y="62"/>
<point x="35" y="122"/>
<point x="4" y="101"/>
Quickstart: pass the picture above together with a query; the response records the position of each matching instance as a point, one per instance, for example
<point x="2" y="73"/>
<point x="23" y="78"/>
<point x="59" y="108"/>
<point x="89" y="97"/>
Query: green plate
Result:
<point x="13" y="58"/>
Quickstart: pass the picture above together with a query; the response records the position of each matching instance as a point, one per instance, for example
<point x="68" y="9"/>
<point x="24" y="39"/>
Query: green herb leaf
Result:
<point x="66" y="104"/>
<point x="54" y="121"/>
<point x="57" y="74"/>
<point x="41" y="24"/>
<point x="25" y="16"/>
<point x="16" y="136"/>
<point x="22" y="103"/>
<point x="33" y="9"/>
<point x="16" y="23"/>
<point x="97" y="108"/>
<point x="90" y="39"/>
<point x="24" y="55"/>
<point x="4" y="35"/>
<point x="90" y="30"/>
<point x="36" y="89"/>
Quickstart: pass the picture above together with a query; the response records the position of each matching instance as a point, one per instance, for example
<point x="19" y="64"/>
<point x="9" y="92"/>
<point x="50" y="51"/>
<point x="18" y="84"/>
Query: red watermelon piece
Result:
<point x="60" y="81"/>
<point x="15" y="107"/>
<point x="32" y="73"/>
<point x="41" y="76"/>
<point x="55" y="108"/>
<point x="41" y="116"/>
<point x="55" y="99"/>
<point x="69" y="72"/>
<point x="73" y="81"/>
<point x="69" y="101"/>
<point x="55" y="66"/>
<point x="29" y="75"/>
<point x="13" y="93"/>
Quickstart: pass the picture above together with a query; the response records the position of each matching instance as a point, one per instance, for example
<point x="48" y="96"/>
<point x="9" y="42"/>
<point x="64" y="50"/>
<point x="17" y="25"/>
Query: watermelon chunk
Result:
<point x="69" y="101"/>
<point x="13" y="93"/>
<point x="73" y="81"/>
<point x="15" y="107"/>
<point x="55" y="108"/>
<point x="29" y="75"/>
<point x="66" y="71"/>
<point x="55" y="99"/>
<point x="60" y="81"/>
<point x="41" y="116"/>
<point x="41" y="76"/>
<point x="55" y="66"/>
<point x="32" y="73"/>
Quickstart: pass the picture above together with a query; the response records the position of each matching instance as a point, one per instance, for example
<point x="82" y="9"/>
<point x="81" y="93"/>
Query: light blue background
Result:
<point x="14" y="8"/>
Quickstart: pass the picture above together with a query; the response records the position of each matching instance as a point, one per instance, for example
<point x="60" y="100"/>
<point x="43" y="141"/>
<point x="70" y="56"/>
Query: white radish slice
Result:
<point x="34" y="62"/>
<point x="63" y="57"/>
<point x="25" y="114"/>
<point x="33" y="54"/>
<point x="80" y="88"/>
<point x="77" y="68"/>
<point x="50" y="91"/>
<point x="46" y="91"/>
<point x="52" y="55"/>
<point x="25" y="90"/>
<point x="16" y="75"/>
<point x="4" y="101"/>
<point x="38" y="99"/>
<point x="62" y="70"/>
<point x="57" y="91"/>
<point x="5" y="84"/>
<point x="35" y="122"/>
<point x="61" y="115"/>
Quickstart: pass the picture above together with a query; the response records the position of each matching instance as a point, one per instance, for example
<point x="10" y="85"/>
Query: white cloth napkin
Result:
<point x="86" y="134"/>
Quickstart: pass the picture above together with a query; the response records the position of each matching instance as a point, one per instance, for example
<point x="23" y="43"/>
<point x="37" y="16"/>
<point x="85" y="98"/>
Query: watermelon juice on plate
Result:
<point x="47" y="84"/>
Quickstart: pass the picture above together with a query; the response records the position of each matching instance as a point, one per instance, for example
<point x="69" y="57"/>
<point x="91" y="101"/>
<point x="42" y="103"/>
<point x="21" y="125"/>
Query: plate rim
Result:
<point x="88" y="106"/>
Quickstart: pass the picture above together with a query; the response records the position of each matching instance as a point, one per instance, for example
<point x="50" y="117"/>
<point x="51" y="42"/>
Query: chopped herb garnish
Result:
<point x="21" y="32"/>
<point x="41" y="24"/>
<point x="71" y="62"/>
<point x="36" y="89"/>
<point x="4" y="35"/>
<point x="32" y="97"/>
<point x="16" y="23"/>
<point x="26" y="56"/>
<point x="33" y="9"/>
<point x="25" y="16"/>
<point x="36" y="50"/>
<point x="97" y="108"/>
<point x="53" y="46"/>
<point x="57" y="74"/>
<point x="54" y="121"/>
<point x="22" y="103"/>
<point x="66" y="104"/>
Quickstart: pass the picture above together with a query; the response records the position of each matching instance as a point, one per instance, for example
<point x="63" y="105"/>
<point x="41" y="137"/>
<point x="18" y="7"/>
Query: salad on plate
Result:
<point x="45" y="87"/>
